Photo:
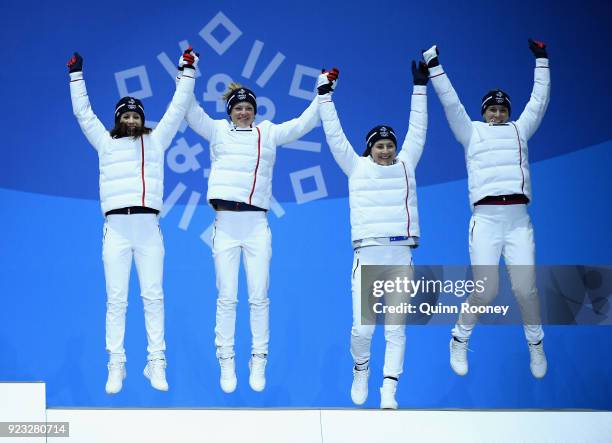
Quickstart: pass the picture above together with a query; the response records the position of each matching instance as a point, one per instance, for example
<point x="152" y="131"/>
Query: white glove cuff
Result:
<point x="322" y="80"/>
<point x="430" y="54"/>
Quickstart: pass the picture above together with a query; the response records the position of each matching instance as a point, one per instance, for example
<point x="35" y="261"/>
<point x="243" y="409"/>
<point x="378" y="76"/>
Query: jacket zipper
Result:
<point x="142" y="171"/>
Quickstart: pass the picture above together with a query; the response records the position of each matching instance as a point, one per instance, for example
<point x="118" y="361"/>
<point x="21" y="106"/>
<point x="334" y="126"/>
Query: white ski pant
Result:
<point x="138" y="236"/>
<point x="246" y="233"/>
<point x="506" y="230"/>
<point x="361" y="334"/>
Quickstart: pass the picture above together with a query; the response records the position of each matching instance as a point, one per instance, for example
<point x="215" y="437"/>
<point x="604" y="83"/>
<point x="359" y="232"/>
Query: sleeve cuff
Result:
<point x="188" y="73"/>
<point x="436" y="70"/>
<point x="76" y="75"/>
<point x="325" y="98"/>
<point x="541" y="63"/>
<point x="419" y="89"/>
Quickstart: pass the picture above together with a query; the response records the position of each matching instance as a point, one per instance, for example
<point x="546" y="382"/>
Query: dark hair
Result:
<point x="120" y="131"/>
<point x="368" y="150"/>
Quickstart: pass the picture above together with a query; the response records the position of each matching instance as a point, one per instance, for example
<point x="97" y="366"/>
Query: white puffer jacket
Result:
<point x="383" y="199"/>
<point x="242" y="160"/>
<point x="496" y="154"/>
<point x="131" y="171"/>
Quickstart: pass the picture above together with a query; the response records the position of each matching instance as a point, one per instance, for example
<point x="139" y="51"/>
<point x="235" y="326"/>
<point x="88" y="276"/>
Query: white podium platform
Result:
<point x="330" y="426"/>
<point x="25" y="402"/>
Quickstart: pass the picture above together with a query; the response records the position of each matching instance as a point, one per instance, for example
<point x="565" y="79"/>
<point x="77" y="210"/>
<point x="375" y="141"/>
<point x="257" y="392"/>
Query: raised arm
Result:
<point x="181" y="101"/>
<point x="458" y="119"/>
<point x="417" y="126"/>
<point x="341" y="149"/>
<point x="294" y="129"/>
<point x="199" y="121"/>
<point x="91" y="126"/>
<point x="532" y="115"/>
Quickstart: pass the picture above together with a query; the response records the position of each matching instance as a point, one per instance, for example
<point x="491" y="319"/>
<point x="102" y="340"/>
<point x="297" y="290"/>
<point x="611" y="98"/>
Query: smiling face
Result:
<point x="383" y="152"/>
<point x="496" y="114"/>
<point x="243" y="115"/>
<point x="132" y="121"/>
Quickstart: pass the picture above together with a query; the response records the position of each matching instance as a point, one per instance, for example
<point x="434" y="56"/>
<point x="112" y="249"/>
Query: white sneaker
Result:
<point x="155" y="371"/>
<point x="228" y="380"/>
<point x="359" y="389"/>
<point x="257" y="366"/>
<point x="116" y="375"/>
<point x="458" y="356"/>
<point x="537" y="363"/>
<point x="387" y="394"/>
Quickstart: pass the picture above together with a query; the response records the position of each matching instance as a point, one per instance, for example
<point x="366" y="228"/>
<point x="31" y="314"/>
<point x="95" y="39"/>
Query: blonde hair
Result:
<point x="231" y="88"/>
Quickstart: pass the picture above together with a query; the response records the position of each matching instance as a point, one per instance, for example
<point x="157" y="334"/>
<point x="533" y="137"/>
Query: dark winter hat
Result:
<point x="241" y="95"/>
<point x="378" y="133"/>
<point x="495" y="97"/>
<point x="129" y="104"/>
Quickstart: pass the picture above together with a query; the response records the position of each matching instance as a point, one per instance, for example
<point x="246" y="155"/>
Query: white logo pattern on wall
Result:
<point x="183" y="158"/>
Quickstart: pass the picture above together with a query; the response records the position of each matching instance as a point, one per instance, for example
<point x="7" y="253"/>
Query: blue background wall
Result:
<point x="51" y="275"/>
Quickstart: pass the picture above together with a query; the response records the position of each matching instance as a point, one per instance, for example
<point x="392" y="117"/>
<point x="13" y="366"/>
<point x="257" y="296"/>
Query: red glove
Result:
<point x="538" y="48"/>
<point x="75" y="64"/>
<point x="189" y="59"/>
<point x="327" y="81"/>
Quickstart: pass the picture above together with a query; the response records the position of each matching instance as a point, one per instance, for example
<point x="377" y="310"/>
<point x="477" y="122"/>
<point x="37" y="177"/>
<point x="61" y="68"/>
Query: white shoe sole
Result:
<point x="155" y="385"/>
<point x="461" y="371"/>
<point x="359" y="397"/>
<point x="359" y="400"/>
<point x="388" y="405"/>
<point x="538" y="374"/>
<point x="117" y="390"/>
<point x="113" y="391"/>
<point x="257" y="387"/>
<point x="228" y="387"/>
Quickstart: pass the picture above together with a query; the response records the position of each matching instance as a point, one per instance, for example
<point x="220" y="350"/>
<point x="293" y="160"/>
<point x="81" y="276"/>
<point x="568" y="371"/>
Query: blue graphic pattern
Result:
<point x="51" y="268"/>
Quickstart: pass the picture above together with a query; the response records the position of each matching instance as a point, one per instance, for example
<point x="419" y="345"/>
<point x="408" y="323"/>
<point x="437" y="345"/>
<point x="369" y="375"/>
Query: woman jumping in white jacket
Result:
<point x="242" y="156"/>
<point x="384" y="221"/>
<point x="131" y="158"/>
<point x="500" y="189"/>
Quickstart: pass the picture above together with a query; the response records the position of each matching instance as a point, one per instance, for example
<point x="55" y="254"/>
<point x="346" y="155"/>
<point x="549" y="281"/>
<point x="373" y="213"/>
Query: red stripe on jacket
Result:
<point x="520" y="158"/>
<point x="142" y="170"/>
<point x="406" y="201"/>
<point x="256" y="165"/>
